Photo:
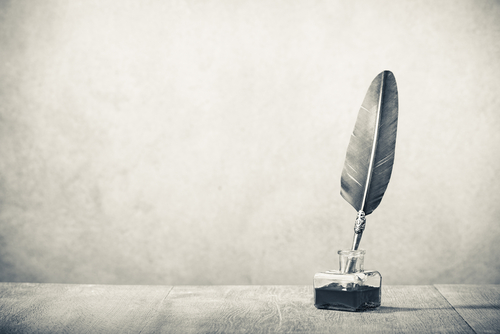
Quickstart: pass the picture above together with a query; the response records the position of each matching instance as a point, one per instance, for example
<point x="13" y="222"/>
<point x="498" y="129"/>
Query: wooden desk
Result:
<point x="73" y="308"/>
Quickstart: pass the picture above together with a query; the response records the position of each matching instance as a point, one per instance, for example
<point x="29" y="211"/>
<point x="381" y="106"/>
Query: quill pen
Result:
<point x="370" y="154"/>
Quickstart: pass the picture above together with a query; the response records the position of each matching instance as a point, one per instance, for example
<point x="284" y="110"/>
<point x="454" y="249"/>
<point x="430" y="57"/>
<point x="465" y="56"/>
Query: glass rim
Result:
<point x="352" y="252"/>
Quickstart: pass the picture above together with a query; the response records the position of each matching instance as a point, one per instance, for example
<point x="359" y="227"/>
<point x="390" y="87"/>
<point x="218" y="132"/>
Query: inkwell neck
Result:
<point x="353" y="259"/>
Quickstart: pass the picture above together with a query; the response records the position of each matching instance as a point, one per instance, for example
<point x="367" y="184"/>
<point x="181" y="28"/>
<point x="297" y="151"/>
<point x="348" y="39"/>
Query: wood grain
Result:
<point x="479" y="305"/>
<point x="65" y="308"/>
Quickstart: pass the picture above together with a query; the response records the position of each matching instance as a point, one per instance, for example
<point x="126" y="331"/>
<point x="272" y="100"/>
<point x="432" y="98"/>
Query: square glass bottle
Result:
<point x="350" y="288"/>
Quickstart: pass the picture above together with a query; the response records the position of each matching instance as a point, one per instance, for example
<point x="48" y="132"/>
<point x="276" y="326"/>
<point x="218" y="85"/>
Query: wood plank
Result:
<point x="479" y="305"/>
<point x="290" y="309"/>
<point x="420" y="309"/>
<point x="66" y="308"/>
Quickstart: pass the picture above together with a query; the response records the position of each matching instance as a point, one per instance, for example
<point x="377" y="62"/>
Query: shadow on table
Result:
<point x="390" y="309"/>
<point x="479" y="307"/>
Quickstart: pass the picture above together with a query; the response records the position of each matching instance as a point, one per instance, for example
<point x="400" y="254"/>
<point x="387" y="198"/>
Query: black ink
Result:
<point x="359" y="298"/>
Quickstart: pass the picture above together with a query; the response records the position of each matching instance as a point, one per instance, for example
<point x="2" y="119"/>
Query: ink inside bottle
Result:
<point x="350" y="288"/>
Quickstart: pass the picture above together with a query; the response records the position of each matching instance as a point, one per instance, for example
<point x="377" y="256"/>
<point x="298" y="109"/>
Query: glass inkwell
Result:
<point x="350" y="288"/>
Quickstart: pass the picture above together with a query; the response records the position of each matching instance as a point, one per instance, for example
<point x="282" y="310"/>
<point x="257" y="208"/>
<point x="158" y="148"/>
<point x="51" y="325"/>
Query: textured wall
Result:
<point x="202" y="142"/>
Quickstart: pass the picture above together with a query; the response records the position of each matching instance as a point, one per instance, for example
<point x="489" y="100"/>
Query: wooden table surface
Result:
<point x="75" y="308"/>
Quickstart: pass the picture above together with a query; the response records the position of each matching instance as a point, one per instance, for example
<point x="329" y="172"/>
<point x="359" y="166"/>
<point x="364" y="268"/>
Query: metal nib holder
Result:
<point x="359" y="227"/>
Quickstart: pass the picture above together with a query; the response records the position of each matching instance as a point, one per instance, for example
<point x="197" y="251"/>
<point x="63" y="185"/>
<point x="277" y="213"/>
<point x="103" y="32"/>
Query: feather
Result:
<point x="370" y="154"/>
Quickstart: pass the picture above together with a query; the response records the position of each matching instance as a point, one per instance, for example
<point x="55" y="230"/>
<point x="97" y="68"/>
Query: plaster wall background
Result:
<point x="202" y="142"/>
